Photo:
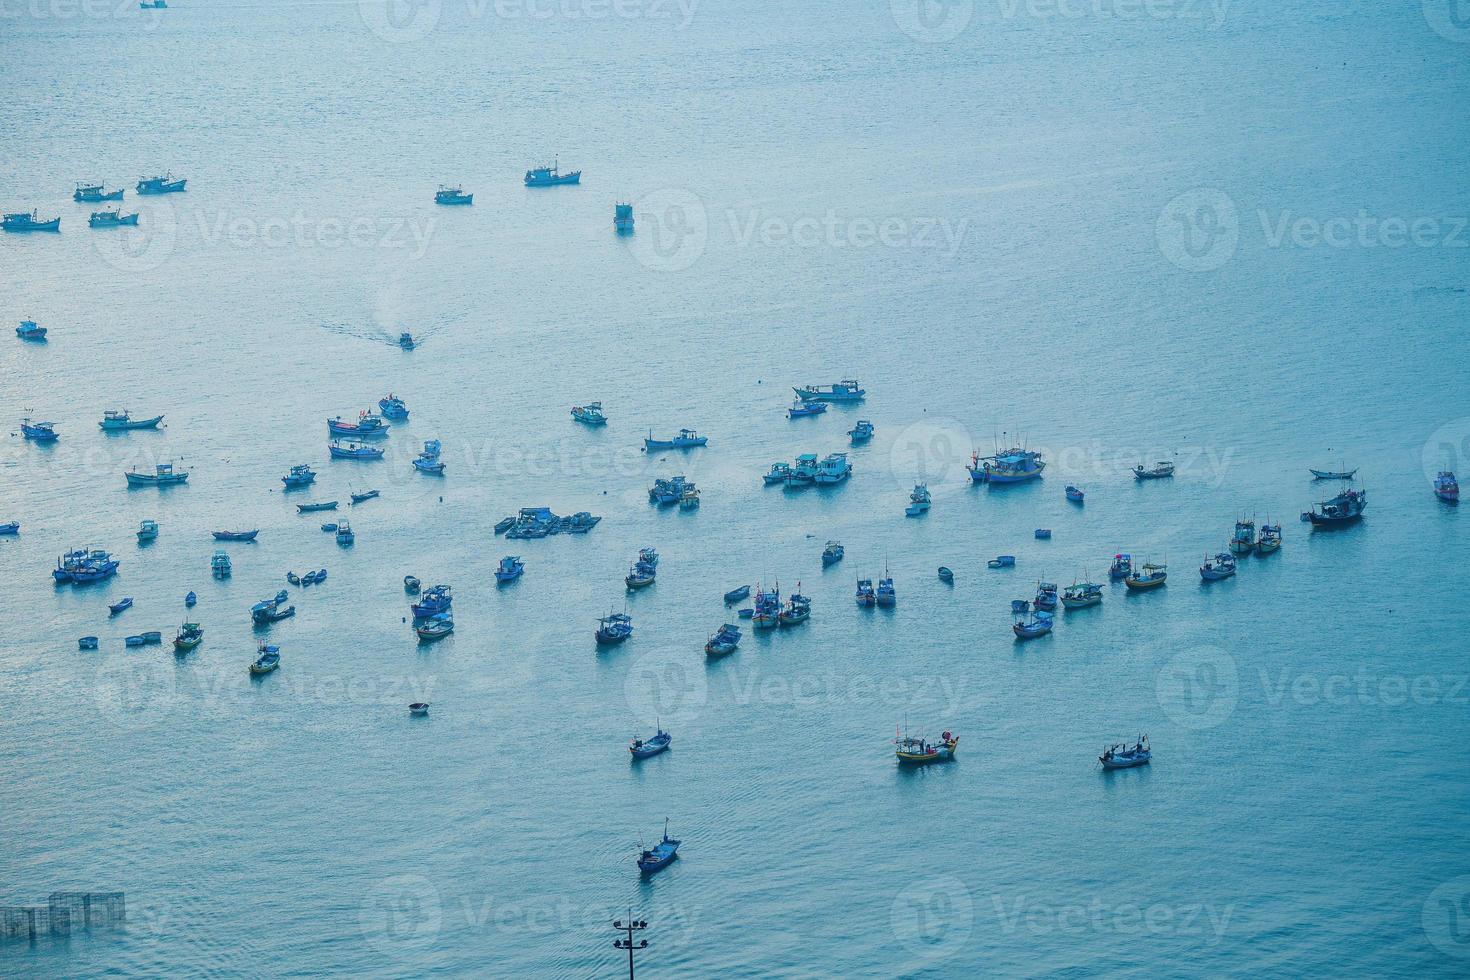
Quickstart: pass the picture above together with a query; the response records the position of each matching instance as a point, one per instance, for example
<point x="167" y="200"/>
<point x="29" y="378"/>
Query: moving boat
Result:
<point x="644" y="748"/>
<point x="147" y="530"/>
<point x="406" y="341"/>
<point x="945" y="575"/>
<point x="38" y="431"/>
<point x="1150" y="576"/>
<point x="1002" y="561"/>
<point x="1243" y="541"/>
<point x="354" y="450"/>
<point x="660" y="855"/>
<point x="1158" y="471"/>
<point x="686" y="439"/>
<point x="767" y="613"/>
<point x="435" y="628"/>
<point x="511" y="568"/>
<point x="590" y="413"/>
<point x="121" y="421"/>
<point x="843" y="391"/>
<point x="1075" y="494"/>
<point x="737" y="595"/>
<point x="550" y="176"/>
<point x="1219" y="567"/>
<point x="435" y="600"/>
<point x="82" y="566"/>
<point x="112" y="219"/>
<point x="778" y="474"/>
<point x="28" y="330"/>
<point x="167" y="184"/>
<point x="268" y="660"/>
<point x="724" y="642"/>
<point x="623" y="218"/>
<point x="1121" y="755"/>
<point x="95" y="194"/>
<point x="1080" y="595"/>
<point x="1122" y="567"/>
<point x="453" y="195"/>
<point x="22" y="221"/>
<point x="1029" y="629"/>
<point x="834" y="468"/>
<point x="798" y="609"/>
<point x="1270" y="539"/>
<point x="219" y="565"/>
<point x="318" y="506"/>
<point x="831" y="554"/>
<point x="886" y="595"/>
<point x="190" y="635"/>
<point x="918" y="501"/>
<point x="800" y="409"/>
<point x="366" y="495"/>
<point x="915" y="750"/>
<point x="1446" y="487"/>
<point x="1346" y="508"/>
<point x="120" y="605"/>
<point x="1015" y="465"/>
<point x="163" y="475"/>
<point x="367" y="426"/>
<point x="804" y="473"/>
<point x="613" y="628"/>
<point x="861" y="432"/>
<point x="301" y="475"/>
<point x="393" y="407"/>
<point x="865" y="596"/>
<point x="235" y="535"/>
<point x="344" y="533"/>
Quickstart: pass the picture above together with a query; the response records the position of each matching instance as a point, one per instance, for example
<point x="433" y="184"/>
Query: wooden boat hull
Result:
<point x="1132" y="762"/>
<point x="1141" y="585"/>
<point x="235" y="535"/>
<point x="150" y="480"/>
<point x="1333" y="475"/>
<point x="314" y="508"/>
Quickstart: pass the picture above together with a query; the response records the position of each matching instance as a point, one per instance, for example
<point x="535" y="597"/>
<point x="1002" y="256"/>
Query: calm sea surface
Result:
<point x="1229" y="235"/>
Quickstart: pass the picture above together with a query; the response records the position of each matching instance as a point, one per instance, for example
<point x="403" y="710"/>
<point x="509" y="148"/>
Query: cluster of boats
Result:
<point x="539" y="522"/>
<point x="674" y="490"/>
<point x="807" y="471"/>
<point x="27" y="221"/>
<point x="273" y="609"/>
<point x="884" y="595"/>
<point x="548" y="175"/>
<point x="83" y="565"/>
<point x="433" y="615"/>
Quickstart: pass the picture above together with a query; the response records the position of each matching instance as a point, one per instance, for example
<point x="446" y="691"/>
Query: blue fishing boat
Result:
<point x="167" y="184"/>
<point x="832" y="553"/>
<point x="316" y="507"/>
<point x="321" y="574"/>
<point x="235" y="535"/>
<point x="1075" y="494"/>
<point x="667" y="490"/>
<point x="834" y="468"/>
<point x="1243" y="540"/>
<point x="163" y="475"/>
<point x="778" y="473"/>
<point x="124" y="603"/>
<point x="689" y="499"/>
<point x="767" y="614"/>
<point x="641" y="748"/>
<point x="219" y="565"/>
<point x="919" y="501"/>
<point x="152" y="4"/>
<point x="28" y="330"/>
<point x="915" y="750"/>
<point x="1121" y="568"/>
<point x="37" y="431"/>
<point x="1219" y="567"/>
<point x="1446" y="487"/>
<point x="353" y="450"/>
<point x="13" y="527"/>
<point x="798" y="608"/>
<point x="22" y="221"/>
<point x="800" y="409"/>
<point x="268" y="660"/>
<point x="660" y="855"/>
<point x="861" y="432"/>
<point x="804" y="473"/>
<point x="550" y="176"/>
<point x="411" y="584"/>
<point x="511" y="568"/>
<point x="147" y="531"/>
<point x="393" y="407"/>
<point x="330" y="528"/>
<point x="453" y="195"/>
<point x="428" y="461"/>
<point x="589" y="414"/>
<point x="622" y="218"/>
<point x="190" y="599"/>
<point x="1002" y="561"/>
<point x="87" y="643"/>
<point x="1046" y="596"/>
<point x="613" y="628"/>
<point x="134" y="641"/>
<point x="95" y="194"/>
<point x="945" y="575"/>
<point x="406" y="341"/>
<point x="1345" y="508"/>
<point x="1121" y="755"/>
<point x="435" y="600"/>
<point x="366" y="495"/>
<point x="1015" y="465"/>
<point x="367" y="425"/>
<point x="301" y="475"/>
<point x="271" y="610"/>
<point x="865" y="596"/>
<point x="686" y="439"/>
<point x="419" y="709"/>
<point x="1270" y="539"/>
<point x="724" y="641"/>
<point x="112" y="219"/>
<point x="886" y="595"/>
<point x="737" y="595"/>
<point x="121" y="421"/>
<point x="504" y="524"/>
<point x="1160" y="470"/>
<point x="345" y="536"/>
<point x="640" y="576"/>
<point x="1028" y="629"/>
<point x="842" y="391"/>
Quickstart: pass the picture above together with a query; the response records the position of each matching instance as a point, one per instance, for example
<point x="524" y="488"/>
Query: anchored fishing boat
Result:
<point x="21" y="221"/>
<point x="1015" y="465"/>
<point x="640" y="576"/>
<point x="800" y="409"/>
<point x="834" y="468"/>
<point x="798" y="609"/>
<point x="121" y="421"/>
<point x="551" y="176"/>
<point x="120" y="605"/>
<point x="1221" y="566"/>
<point x="235" y="535"/>
<point x="366" y="495"/>
<point x="686" y="439"/>
<point x="190" y="635"/>
<point x="1157" y="471"/>
<point x="163" y="475"/>
<point x="318" y="506"/>
<point x="393" y="407"/>
<point x="918" y="501"/>
<point x="1243" y="540"/>
<point x="861" y="432"/>
<point x="435" y="628"/>
<point x="435" y="600"/>
<point x="724" y="641"/>
<point x="301" y="475"/>
<point x="589" y="414"/>
<point x="167" y="184"/>
<point x="737" y="595"/>
<point x="95" y="194"/>
<point x="832" y="553"/>
<point x="667" y="490"/>
<point x="1121" y="755"/>
<point x="38" y="431"/>
<point x="510" y="568"/>
<point x="613" y="628"/>
<point x="147" y="530"/>
<point x="1029" y="629"/>
<point x="1446" y="487"/>
<point x="1270" y="539"/>
<point x="354" y="450"/>
<point x="453" y="195"/>
<point x="1080" y="595"/>
<point x="1075" y="494"/>
<point x="268" y="659"/>
<point x="641" y="748"/>
<point x="272" y="610"/>
<point x="843" y="391"/>
<point x="689" y="499"/>
<point x="219" y="565"/>
<point x="660" y="855"/>
<point x="1046" y="596"/>
<point x="428" y="460"/>
<point x="345" y="536"/>
<point x="1002" y="561"/>
<point x="778" y="473"/>
<point x="367" y="426"/>
<point x="1121" y="568"/>
<point x="865" y="597"/>
<point x="112" y="219"/>
<point x="1346" y="508"/>
<point x="767" y="614"/>
<point x="916" y="750"/>
<point x="28" y="330"/>
<point x="1148" y="577"/>
<point x="886" y="595"/>
<point x="804" y="473"/>
<point x="622" y="218"/>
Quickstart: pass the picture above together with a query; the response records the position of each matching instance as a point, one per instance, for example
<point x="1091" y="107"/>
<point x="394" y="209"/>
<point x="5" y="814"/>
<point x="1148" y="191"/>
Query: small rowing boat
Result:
<point x="313" y="508"/>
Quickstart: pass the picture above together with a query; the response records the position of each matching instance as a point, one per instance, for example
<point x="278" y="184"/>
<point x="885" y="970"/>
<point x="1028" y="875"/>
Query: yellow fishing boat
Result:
<point x="917" y="750"/>
<point x="1147" y="577"/>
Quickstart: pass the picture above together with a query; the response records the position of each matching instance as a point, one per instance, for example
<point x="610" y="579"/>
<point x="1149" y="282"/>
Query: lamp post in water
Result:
<point x="630" y="926"/>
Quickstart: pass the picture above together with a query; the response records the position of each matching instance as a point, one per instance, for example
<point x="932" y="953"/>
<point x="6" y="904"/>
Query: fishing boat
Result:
<point x="737" y="595"/>
<point x="1002" y="561"/>
<point x="613" y="628"/>
<point x="834" y="468"/>
<point x="87" y="643"/>
<point x="1332" y="474"/>
<point x="1221" y="566"/>
<point x="308" y="579"/>
<point x="832" y="553"/>
<point x="321" y="574"/>
<point x="589" y="414"/>
<point x="121" y="421"/>
<point x="38" y="431"/>
<point x="861" y="432"/>
<point x="1446" y="487"/>
<point x="504" y="524"/>
<point x="622" y="217"/>
<point x="190" y="599"/>
<point x="366" y="495"/>
<point x="411" y="584"/>
<point x="767" y="614"/>
<point x="724" y="641"/>
<point x="318" y="506"/>
<point x="511" y="568"/>
<point x="778" y="473"/>
<point x="453" y="195"/>
<point x="163" y="475"/>
<point x="354" y="450"/>
<point x="648" y="556"/>
<point x="29" y="330"/>
<point x="689" y="499"/>
<point x="1148" y="577"/>
<point x="800" y="409"/>
<point x="1345" y="508"/>
<point x="293" y="579"/>
<point x="435" y="600"/>
<point x="1015" y="465"/>
<point x="804" y="473"/>
<point x="1080" y="595"/>
<point x="271" y="610"/>
<point x="1270" y="539"/>
<point x="419" y="709"/>
<point x="22" y="221"/>
<point x="865" y="596"/>
<point x="686" y="439"/>
<point x="120" y="605"/>
<point x="843" y="391"/>
<point x="268" y="659"/>
<point x="301" y="475"/>
<point x="167" y="184"/>
<point x="367" y="426"/>
<point x="1075" y="494"/>
<point x="330" y="528"/>
<point x="918" y="501"/>
<point x="945" y="575"/>
<point x="1046" y="596"/>
<point x="82" y="566"/>
<point x="640" y="576"/>
<point x="435" y="628"/>
<point x="95" y="194"/>
<point x="1121" y="755"/>
<point x="551" y="176"/>
<point x="428" y="461"/>
<point x="798" y="609"/>
<point x="406" y="341"/>
<point x="112" y="219"/>
<point x="1157" y="471"/>
<point x="235" y="535"/>
<point x="344" y="533"/>
<point x="667" y="490"/>
<point x="660" y="855"/>
<point x="886" y="595"/>
<point x="147" y="530"/>
<point x="1121" y="568"/>
<point x="1042" y="534"/>
<point x="13" y="527"/>
<point x="219" y="565"/>
<point x="641" y="748"/>
<point x="1039" y="624"/>
<point x="1243" y="540"/>
<point x="134" y="641"/>
<point x="393" y="407"/>
<point x="916" y="750"/>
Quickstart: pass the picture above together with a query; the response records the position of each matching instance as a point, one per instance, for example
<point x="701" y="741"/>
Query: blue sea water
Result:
<point x="1232" y="234"/>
